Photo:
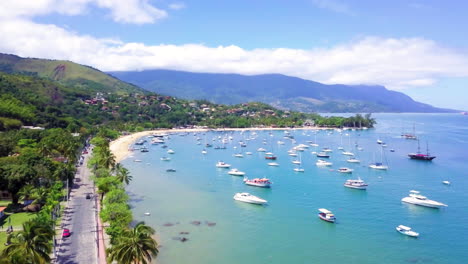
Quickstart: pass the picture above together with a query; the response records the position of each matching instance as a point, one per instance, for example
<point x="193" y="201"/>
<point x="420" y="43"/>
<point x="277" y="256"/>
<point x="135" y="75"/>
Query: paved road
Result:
<point x="80" y="218"/>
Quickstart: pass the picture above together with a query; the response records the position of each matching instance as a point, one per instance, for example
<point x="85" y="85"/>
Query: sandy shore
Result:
<point x="120" y="146"/>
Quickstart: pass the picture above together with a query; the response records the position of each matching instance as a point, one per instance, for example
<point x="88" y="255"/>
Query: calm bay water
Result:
<point x="288" y="230"/>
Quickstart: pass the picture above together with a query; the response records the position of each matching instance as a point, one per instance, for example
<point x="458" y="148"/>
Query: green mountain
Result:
<point x="278" y="90"/>
<point x="66" y="73"/>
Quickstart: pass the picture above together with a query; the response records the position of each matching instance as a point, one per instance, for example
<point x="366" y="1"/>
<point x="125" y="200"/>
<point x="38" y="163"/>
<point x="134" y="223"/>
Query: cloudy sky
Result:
<point x="418" y="47"/>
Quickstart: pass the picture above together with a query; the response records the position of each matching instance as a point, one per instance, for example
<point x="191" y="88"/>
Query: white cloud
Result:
<point x="177" y="6"/>
<point x="122" y="11"/>
<point x="334" y="6"/>
<point x="395" y="63"/>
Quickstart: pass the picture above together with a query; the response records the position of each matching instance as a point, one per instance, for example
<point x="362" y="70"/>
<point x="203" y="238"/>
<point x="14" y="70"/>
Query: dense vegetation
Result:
<point x="36" y="161"/>
<point x="128" y="245"/>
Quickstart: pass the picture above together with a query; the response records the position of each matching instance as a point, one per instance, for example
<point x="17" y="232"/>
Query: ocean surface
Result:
<point x="198" y="197"/>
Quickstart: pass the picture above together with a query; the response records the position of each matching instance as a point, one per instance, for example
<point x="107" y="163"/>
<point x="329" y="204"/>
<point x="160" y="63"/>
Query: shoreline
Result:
<point x="120" y="146"/>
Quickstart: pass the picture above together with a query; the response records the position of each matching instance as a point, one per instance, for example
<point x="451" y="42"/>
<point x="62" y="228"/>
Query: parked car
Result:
<point x="66" y="232"/>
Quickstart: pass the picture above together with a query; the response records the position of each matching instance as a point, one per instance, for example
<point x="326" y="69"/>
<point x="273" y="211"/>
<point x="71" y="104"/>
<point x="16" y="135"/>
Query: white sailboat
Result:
<point x="379" y="165"/>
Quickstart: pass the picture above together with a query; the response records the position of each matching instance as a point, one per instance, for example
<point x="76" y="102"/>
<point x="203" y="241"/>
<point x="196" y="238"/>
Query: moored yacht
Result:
<point x="356" y="184"/>
<point x="322" y="155"/>
<point x="326" y="215"/>
<point x="323" y="163"/>
<point x="405" y="230"/>
<point x="378" y="166"/>
<point x="222" y="164"/>
<point x="274" y="164"/>
<point x="259" y="182"/>
<point x="248" y="198"/>
<point x="416" y="198"/>
<point x="236" y="172"/>
<point x="353" y="160"/>
<point x="345" y="170"/>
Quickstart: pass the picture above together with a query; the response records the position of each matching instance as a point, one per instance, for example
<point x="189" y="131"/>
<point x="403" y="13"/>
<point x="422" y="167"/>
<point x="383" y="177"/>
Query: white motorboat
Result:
<point x="238" y="155"/>
<point x="292" y="154"/>
<point x="345" y="170"/>
<point x="326" y="215"/>
<point x="299" y="169"/>
<point x="405" y="230"/>
<point x="327" y="150"/>
<point x="356" y="184"/>
<point x="416" y="198"/>
<point x="261" y="150"/>
<point x="204" y="152"/>
<point x="298" y="162"/>
<point x="258" y="182"/>
<point x="170" y="151"/>
<point x="353" y="160"/>
<point x="165" y="159"/>
<point x="274" y="164"/>
<point x="236" y="172"/>
<point x="446" y="182"/>
<point x="249" y="198"/>
<point x="347" y="153"/>
<point x="222" y="164"/>
<point x="323" y="163"/>
<point x="248" y="153"/>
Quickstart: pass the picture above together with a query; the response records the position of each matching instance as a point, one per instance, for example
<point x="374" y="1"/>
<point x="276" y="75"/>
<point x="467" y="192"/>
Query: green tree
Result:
<point x="122" y="174"/>
<point x="134" y="246"/>
<point x="31" y="245"/>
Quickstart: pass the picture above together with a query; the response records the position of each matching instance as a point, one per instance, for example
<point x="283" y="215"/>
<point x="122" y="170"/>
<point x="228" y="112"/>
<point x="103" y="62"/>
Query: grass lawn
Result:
<point x="3" y="236"/>
<point x="16" y="219"/>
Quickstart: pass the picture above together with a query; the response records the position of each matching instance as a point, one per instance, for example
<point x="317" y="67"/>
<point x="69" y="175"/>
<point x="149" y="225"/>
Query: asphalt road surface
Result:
<point x="80" y="218"/>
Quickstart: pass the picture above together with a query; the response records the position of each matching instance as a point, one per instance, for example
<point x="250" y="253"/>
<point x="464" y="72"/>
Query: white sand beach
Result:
<point x="120" y="146"/>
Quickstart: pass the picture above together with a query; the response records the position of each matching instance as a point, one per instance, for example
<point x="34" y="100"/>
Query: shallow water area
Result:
<point x="197" y="199"/>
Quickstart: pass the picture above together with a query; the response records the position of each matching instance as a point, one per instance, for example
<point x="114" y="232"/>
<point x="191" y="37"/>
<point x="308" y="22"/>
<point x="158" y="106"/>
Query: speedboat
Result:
<point x="261" y="150"/>
<point x="270" y="157"/>
<point x="298" y="169"/>
<point x="238" y="155"/>
<point x="326" y="215"/>
<point x="327" y="150"/>
<point x="273" y="164"/>
<point x="292" y="154"/>
<point x="378" y="166"/>
<point x="323" y="163"/>
<point x="263" y="182"/>
<point x="405" y="230"/>
<point x="345" y="170"/>
<point x="222" y="164"/>
<point x="165" y="159"/>
<point x="248" y="153"/>
<point x="356" y="184"/>
<point x="170" y="151"/>
<point x="416" y="198"/>
<point x="347" y="153"/>
<point x="248" y="198"/>
<point x="236" y="172"/>
<point x="171" y="170"/>
<point x="298" y="162"/>
<point x="446" y="182"/>
<point x="204" y="152"/>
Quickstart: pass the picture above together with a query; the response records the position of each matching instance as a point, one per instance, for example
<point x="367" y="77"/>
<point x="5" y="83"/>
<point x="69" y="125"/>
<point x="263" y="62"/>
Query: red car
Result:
<point x="66" y="233"/>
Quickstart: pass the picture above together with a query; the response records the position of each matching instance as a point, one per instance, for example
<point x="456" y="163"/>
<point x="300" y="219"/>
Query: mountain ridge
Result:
<point x="285" y="92"/>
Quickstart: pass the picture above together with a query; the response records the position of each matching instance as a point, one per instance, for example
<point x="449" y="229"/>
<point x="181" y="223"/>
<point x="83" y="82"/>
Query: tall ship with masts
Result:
<point x="421" y="156"/>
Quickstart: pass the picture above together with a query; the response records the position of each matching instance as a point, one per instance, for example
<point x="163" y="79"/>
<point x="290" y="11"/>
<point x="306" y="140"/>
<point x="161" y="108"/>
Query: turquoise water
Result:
<point x="288" y="230"/>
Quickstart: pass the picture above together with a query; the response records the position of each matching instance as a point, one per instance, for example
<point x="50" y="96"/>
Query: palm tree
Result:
<point x="31" y="245"/>
<point x="122" y="174"/>
<point x="106" y="158"/>
<point x="134" y="246"/>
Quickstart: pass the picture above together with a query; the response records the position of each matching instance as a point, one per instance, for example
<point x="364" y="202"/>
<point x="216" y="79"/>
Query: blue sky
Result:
<point x="417" y="47"/>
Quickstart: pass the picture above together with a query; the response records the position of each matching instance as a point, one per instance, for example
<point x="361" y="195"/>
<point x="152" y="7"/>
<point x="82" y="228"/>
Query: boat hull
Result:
<point x="329" y="220"/>
<point x="356" y="187"/>
<point x="432" y="204"/>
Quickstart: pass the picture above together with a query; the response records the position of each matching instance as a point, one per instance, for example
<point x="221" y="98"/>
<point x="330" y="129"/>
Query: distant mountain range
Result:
<point x="278" y="90"/>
